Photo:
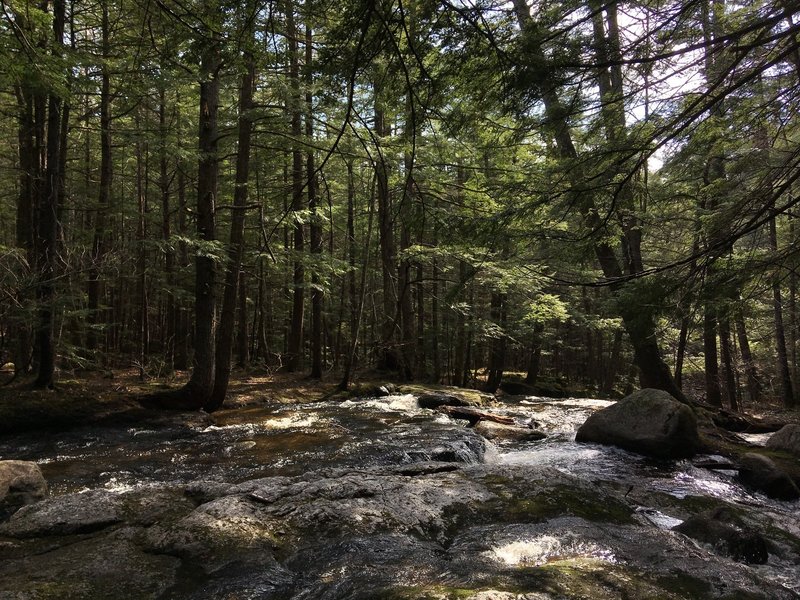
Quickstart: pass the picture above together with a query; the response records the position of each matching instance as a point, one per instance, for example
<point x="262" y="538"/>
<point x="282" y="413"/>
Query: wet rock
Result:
<point x="377" y="566"/>
<point x="365" y="502"/>
<point x="382" y="391"/>
<point x="65" y="515"/>
<point x="571" y="557"/>
<point x="762" y="474"/>
<point x="107" y="567"/>
<point x="201" y="492"/>
<point x="21" y="483"/>
<point x="470" y="448"/>
<point x="494" y="431"/>
<point x="94" y="511"/>
<point x="788" y="438"/>
<point x="720" y="530"/>
<point x="434" y="401"/>
<point x="648" y="422"/>
<point x="227" y="530"/>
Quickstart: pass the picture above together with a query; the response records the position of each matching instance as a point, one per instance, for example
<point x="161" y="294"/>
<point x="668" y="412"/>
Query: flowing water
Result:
<point x="279" y="440"/>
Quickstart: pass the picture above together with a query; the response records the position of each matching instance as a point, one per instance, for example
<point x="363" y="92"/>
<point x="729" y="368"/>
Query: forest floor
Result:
<point x="88" y="397"/>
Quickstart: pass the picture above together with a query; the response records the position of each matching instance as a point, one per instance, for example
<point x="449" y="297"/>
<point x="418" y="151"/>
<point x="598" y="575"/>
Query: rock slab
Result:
<point x="649" y="422"/>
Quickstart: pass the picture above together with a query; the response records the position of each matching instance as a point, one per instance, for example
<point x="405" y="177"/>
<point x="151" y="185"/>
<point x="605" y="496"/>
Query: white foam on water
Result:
<point x="548" y="548"/>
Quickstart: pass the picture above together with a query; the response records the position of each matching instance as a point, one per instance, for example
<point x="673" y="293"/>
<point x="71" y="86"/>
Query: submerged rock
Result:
<point x="787" y="438"/>
<point x="761" y="474"/>
<point x="720" y="530"/>
<point x="648" y="422"/>
<point x="21" y="483"/>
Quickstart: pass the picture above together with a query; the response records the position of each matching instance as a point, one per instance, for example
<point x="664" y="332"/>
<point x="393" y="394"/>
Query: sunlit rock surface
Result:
<point x="649" y="422"/>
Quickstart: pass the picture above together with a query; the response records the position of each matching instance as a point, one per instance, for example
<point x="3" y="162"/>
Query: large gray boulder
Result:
<point x="787" y="438"/>
<point x="21" y="483"/>
<point x="649" y="422"/>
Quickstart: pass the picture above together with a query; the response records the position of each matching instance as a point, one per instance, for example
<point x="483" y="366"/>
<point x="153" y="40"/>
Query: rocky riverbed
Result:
<point x="379" y="498"/>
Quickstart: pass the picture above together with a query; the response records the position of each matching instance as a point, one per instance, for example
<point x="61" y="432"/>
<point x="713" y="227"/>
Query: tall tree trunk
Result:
<point x="534" y="359"/>
<point x="295" y="340"/>
<point x="388" y="358"/>
<point x="784" y="375"/>
<point x="171" y="307"/>
<point x="26" y="203"/>
<point x="497" y="346"/>
<point x="181" y="360"/>
<point x="94" y="291"/>
<point x="729" y="374"/>
<point x="242" y="358"/>
<point x="459" y="357"/>
<point x="351" y="252"/>
<point x="142" y="329"/>
<point x="227" y="319"/>
<point x="711" y="361"/>
<point x="751" y="374"/>
<point x="46" y="240"/>
<point x="317" y="296"/>
<point x="350" y="358"/>
<point x="197" y="391"/>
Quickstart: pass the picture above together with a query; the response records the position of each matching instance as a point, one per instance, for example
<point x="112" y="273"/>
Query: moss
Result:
<point x="685" y="585"/>
<point x="428" y="593"/>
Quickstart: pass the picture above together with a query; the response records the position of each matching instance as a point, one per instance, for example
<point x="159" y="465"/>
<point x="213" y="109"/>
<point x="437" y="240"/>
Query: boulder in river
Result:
<point x="434" y="401"/>
<point x="788" y="438"/>
<point x="649" y="422"/>
<point x="21" y="483"/>
<point x="492" y="431"/>
<point x="720" y="529"/>
<point x="762" y="474"/>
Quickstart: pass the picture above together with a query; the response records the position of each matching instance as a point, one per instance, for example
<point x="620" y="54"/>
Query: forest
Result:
<point x="587" y="195"/>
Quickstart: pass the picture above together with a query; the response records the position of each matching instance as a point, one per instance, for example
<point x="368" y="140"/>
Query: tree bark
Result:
<point x="710" y="358"/>
<point x="227" y="320"/>
<point x="388" y="358"/>
<point x="729" y="375"/>
<point x="197" y="391"/>
<point x="317" y="296"/>
<point x="784" y="374"/>
<point x="295" y="339"/>
<point x="46" y="240"/>
<point x="751" y="374"/>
